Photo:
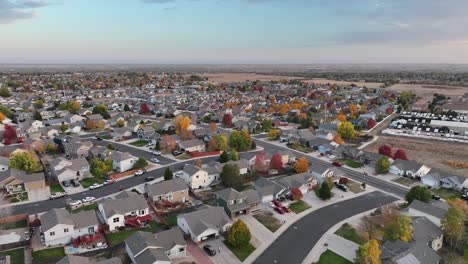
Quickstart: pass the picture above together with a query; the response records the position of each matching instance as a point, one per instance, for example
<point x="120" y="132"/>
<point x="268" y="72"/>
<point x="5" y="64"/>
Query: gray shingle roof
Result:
<point x="212" y="217"/>
<point x="435" y="209"/>
<point x="124" y="205"/>
<point x="169" y="186"/>
<point x="229" y="194"/>
<point x="267" y="187"/>
<point x="54" y="217"/>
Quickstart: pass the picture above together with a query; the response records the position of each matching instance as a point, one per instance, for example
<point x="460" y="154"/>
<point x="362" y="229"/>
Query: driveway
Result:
<point x="258" y="230"/>
<point x="343" y="247"/>
<point x="223" y="254"/>
<point x="38" y="194"/>
<point x="197" y="253"/>
<point x="295" y="243"/>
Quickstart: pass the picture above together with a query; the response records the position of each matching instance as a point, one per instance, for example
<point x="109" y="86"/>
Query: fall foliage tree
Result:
<point x="400" y="154"/>
<point x="213" y="127"/>
<point x="240" y="140"/>
<point x="405" y="231"/>
<point x="95" y="124"/>
<point x="63" y="128"/>
<point x="267" y="124"/>
<point x="296" y="194"/>
<point x="302" y="165"/>
<point x="368" y="253"/>
<point x="26" y="161"/>
<point x="261" y="163"/>
<point x="453" y="226"/>
<point x="186" y="134"/>
<point x="198" y="163"/>
<point x="233" y="155"/>
<point x="181" y="123"/>
<point x="385" y="150"/>
<point x="218" y="142"/>
<point x="341" y="117"/>
<point x="368" y="227"/>
<point x="354" y="111"/>
<point x="9" y="134"/>
<point x="227" y="120"/>
<point x="2" y="117"/>
<point x="120" y="123"/>
<point x="338" y="139"/>
<point x="144" y="109"/>
<point x="273" y="134"/>
<point x="346" y="130"/>
<point x="167" y="143"/>
<point x="370" y="123"/>
<point x="239" y="234"/>
<point x="276" y="162"/>
<point x="283" y="109"/>
<point x="382" y="165"/>
<point x="102" y="110"/>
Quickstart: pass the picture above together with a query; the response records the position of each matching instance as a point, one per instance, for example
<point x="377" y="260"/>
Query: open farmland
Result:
<point x="435" y="154"/>
<point x="242" y="77"/>
<point x="428" y="90"/>
<point x="326" y="81"/>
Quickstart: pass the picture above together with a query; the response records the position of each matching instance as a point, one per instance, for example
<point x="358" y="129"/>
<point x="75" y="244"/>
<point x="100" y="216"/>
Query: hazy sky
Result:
<point x="233" y="31"/>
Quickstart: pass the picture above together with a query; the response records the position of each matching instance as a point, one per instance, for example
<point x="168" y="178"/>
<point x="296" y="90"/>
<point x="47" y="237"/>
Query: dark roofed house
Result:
<point x="237" y="203"/>
<point x="174" y="191"/>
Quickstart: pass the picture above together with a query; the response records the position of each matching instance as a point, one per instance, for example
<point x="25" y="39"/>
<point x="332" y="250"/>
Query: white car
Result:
<point x="156" y="152"/>
<point x="88" y="199"/>
<point x="96" y="186"/>
<point x="75" y="203"/>
<point x="57" y="195"/>
<point x="139" y="172"/>
<point x="154" y="160"/>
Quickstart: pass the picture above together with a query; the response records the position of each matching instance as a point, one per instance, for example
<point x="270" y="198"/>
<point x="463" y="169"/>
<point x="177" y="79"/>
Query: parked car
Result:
<point x="88" y="199"/>
<point x="139" y="172"/>
<point x="75" y="183"/>
<point x="176" y="153"/>
<point x="156" y="152"/>
<point x="154" y="160"/>
<point x="286" y="209"/>
<point x="57" y="195"/>
<point x="75" y="203"/>
<point x="66" y="183"/>
<point x="96" y="186"/>
<point x="98" y="138"/>
<point x="436" y="197"/>
<point x="337" y="164"/>
<point x="209" y="250"/>
<point x="276" y="203"/>
<point x="279" y="210"/>
<point x="149" y="178"/>
<point x="341" y="187"/>
<point x="108" y="182"/>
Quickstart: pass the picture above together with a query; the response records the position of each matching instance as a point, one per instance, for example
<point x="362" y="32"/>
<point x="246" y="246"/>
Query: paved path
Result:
<point x="294" y="244"/>
<point x="343" y="247"/>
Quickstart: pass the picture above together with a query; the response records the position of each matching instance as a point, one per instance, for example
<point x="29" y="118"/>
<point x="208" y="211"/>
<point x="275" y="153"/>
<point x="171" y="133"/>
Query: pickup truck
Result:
<point x="57" y="195"/>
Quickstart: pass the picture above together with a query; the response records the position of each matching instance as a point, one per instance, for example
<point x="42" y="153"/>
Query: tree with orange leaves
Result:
<point x="338" y="139"/>
<point x="354" y="110"/>
<point x="341" y="117"/>
<point x="302" y="165"/>
<point x="213" y="127"/>
<point x="2" y="117"/>
<point x="283" y="109"/>
<point x="181" y="123"/>
<point x="167" y="143"/>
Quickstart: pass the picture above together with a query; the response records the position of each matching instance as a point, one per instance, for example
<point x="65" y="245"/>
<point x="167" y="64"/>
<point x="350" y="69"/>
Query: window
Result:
<point x="159" y="198"/>
<point x="116" y="220"/>
<point x="231" y="202"/>
<point x="142" y="212"/>
<point x="181" y="249"/>
<point x="91" y="230"/>
<point x="197" y="176"/>
<point x="65" y="230"/>
<point x="52" y="233"/>
<point x="169" y="196"/>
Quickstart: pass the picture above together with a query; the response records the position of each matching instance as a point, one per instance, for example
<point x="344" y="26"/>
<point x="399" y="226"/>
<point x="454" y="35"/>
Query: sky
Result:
<point x="233" y="31"/>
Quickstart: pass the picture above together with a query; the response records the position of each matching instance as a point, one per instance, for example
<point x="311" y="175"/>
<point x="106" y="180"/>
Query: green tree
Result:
<point x="267" y="124"/>
<point x="240" y="140"/>
<point x="100" y="168"/>
<point x="157" y="146"/>
<point x="346" y="130"/>
<point x="368" y="253"/>
<point x="168" y="174"/>
<point x="140" y="163"/>
<point x="418" y="193"/>
<point x="37" y="116"/>
<point x="51" y="148"/>
<point x="239" y="234"/>
<point x="218" y="142"/>
<point x="63" y="128"/>
<point x="25" y="161"/>
<point x="224" y="157"/>
<point x="382" y="165"/>
<point x="233" y="155"/>
<point x="324" y="192"/>
<point x="230" y="176"/>
<point x="6" y="111"/>
<point x="126" y="107"/>
<point x="453" y="226"/>
<point x="102" y="110"/>
<point x="4" y="91"/>
<point x="39" y="104"/>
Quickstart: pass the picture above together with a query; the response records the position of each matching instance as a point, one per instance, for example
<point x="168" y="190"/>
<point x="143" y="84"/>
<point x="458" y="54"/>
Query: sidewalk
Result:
<point x="343" y="247"/>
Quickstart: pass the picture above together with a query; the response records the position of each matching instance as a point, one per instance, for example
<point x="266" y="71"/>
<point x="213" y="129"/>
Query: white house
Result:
<point x="132" y="209"/>
<point x="195" y="177"/>
<point x="63" y="169"/>
<point x="204" y="224"/>
<point x="60" y="227"/>
<point x="191" y="145"/>
<point x="408" y="168"/>
<point x="122" y="161"/>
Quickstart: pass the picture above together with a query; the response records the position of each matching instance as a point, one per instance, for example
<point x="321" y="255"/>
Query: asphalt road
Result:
<point x="352" y="174"/>
<point x="293" y="246"/>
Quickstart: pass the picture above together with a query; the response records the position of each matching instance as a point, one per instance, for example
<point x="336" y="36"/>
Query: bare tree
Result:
<point x="368" y="227"/>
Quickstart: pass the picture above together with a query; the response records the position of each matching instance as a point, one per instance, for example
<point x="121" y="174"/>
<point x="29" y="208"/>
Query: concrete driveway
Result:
<point x="258" y="230"/>
<point x="343" y="247"/>
<point x="197" y="253"/>
<point x="39" y="194"/>
<point x="223" y="254"/>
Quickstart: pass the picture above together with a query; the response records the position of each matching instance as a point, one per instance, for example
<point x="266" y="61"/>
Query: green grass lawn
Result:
<point x="354" y="186"/>
<point x="48" y="255"/>
<point x="351" y="163"/>
<point x="241" y="252"/>
<point x="139" y="143"/>
<point x="16" y="255"/>
<point x="348" y="232"/>
<point x="118" y="237"/>
<point x="90" y="181"/>
<point x="56" y="188"/>
<point x="330" y="257"/>
<point x="88" y="207"/>
<point x="13" y="225"/>
<point x="404" y="181"/>
<point x="299" y="206"/>
<point x="446" y="193"/>
<point x="107" y="137"/>
<point x="268" y="221"/>
<point x="171" y="221"/>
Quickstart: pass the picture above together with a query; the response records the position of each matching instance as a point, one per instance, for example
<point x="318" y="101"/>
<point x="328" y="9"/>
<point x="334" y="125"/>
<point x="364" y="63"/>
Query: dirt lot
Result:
<point x="242" y="77"/>
<point x="325" y="81"/>
<point x="435" y="154"/>
<point x="425" y="90"/>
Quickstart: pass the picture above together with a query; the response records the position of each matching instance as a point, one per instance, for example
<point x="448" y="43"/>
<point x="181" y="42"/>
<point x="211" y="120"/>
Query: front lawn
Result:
<point x="354" y="186"/>
<point x="299" y="206"/>
<point x="16" y="255"/>
<point x="241" y="252"/>
<point x="268" y="221"/>
<point x="351" y="163"/>
<point x="404" y="181"/>
<point x="14" y="225"/>
<point x="348" y="232"/>
<point x="107" y="137"/>
<point x="48" y="255"/>
<point x="139" y="143"/>
<point x="118" y="237"/>
<point x="446" y="194"/>
<point x="90" y="181"/>
<point x="330" y="257"/>
<point x="89" y="207"/>
<point x="56" y="189"/>
<point x="184" y="156"/>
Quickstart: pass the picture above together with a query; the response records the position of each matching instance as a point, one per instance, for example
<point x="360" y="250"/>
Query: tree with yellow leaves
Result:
<point x="368" y="253"/>
<point x="302" y="165"/>
<point x="346" y="130"/>
<point x="273" y="134"/>
<point x="181" y="123"/>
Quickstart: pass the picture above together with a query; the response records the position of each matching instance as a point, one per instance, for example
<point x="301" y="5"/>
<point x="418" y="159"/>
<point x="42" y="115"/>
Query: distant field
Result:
<point x="434" y="154"/>
<point x="242" y="77"/>
<point x="326" y="81"/>
<point x="425" y="90"/>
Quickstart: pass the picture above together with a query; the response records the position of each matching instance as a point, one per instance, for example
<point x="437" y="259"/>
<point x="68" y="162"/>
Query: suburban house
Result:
<point x="14" y="180"/>
<point x="204" y="224"/>
<point x="320" y="173"/>
<point x="62" y="169"/>
<point x="131" y="210"/>
<point x="159" y="248"/>
<point x="122" y="161"/>
<point x="77" y="149"/>
<point x="121" y="133"/>
<point x="99" y="152"/>
<point x="194" y="177"/>
<point x="242" y="164"/>
<point x="60" y="227"/>
<point x="408" y="168"/>
<point x="174" y="191"/>
<point x="237" y="203"/>
<point x="268" y="190"/>
<point x="191" y="145"/>
<point x="434" y="211"/>
<point x="324" y="134"/>
<point x="303" y="181"/>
